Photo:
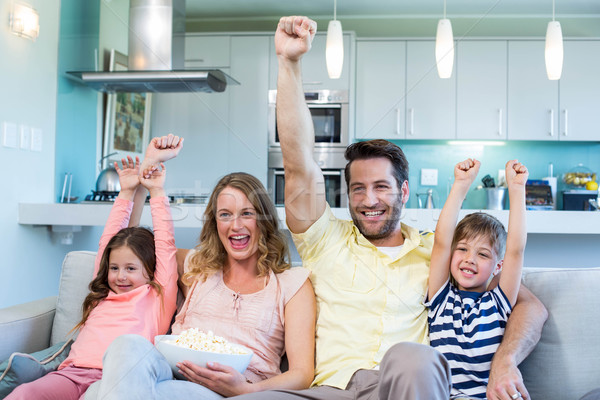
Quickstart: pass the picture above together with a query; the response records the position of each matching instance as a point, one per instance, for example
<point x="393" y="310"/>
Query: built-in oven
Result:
<point x="329" y="111"/>
<point x="332" y="163"/>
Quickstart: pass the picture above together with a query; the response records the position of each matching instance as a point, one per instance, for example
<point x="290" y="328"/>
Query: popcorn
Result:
<point x="197" y="340"/>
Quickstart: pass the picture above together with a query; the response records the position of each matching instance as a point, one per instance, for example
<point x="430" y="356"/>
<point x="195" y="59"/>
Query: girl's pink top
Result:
<point x="253" y="320"/>
<point x="141" y="311"/>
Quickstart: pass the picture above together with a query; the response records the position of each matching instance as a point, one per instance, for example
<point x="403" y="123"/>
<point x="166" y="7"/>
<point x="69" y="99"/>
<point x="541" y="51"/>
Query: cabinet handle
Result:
<point x="411" y="130"/>
<point x="551" y="122"/>
<point x="499" y="122"/>
<point x="566" y="122"/>
<point x="313" y="83"/>
<point x="398" y="121"/>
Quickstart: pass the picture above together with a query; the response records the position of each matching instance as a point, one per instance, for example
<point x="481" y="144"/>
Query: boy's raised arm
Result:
<point x="464" y="175"/>
<point x="516" y="239"/>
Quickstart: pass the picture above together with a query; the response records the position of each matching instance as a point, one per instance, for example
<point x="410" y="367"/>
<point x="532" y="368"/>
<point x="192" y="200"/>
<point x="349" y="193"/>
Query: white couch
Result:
<point x="564" y="366"/>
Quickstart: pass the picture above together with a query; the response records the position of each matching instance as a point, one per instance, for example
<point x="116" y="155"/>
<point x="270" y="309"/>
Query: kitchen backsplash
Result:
<point x="536" y="156"/>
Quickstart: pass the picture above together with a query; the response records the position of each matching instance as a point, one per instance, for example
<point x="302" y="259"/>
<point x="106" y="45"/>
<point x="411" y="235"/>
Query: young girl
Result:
<point x="134" y="289"/>
<point x="467" y="321"/>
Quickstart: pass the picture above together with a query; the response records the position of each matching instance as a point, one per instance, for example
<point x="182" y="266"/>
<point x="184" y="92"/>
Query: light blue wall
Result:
<point x="76" y="111"/>
<point x="535" y="155"/>
<point x="32" y="256"/>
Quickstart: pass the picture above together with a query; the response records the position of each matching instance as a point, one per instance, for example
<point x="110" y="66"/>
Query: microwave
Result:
<point x="332" y="164"/>
<point x="329" y="112"/>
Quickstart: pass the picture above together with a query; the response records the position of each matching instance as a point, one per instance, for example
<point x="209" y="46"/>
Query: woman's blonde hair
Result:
<point x="272" y="243"/>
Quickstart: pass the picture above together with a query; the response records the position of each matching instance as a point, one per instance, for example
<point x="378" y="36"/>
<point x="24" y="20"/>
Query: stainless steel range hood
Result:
<point x="153" y="54"/>
<point x="156" y="81"/>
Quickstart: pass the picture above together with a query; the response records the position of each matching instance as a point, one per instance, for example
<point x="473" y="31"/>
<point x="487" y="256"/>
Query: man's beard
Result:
<point x="389" y="227"/>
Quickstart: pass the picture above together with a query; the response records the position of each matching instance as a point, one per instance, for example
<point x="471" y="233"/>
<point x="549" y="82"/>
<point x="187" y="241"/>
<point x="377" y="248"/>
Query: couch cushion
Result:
<point x="77" y="270"/>
<point x="22" y="368"/>
<point x="564" y="365"/>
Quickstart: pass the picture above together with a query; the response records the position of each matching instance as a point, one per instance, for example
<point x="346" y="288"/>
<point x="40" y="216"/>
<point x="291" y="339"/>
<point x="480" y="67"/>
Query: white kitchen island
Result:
<point x="555" y="238"/>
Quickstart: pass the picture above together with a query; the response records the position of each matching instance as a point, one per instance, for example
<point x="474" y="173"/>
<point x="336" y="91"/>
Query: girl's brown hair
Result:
<point x="272" y="244"/>
<point x="141" y="242"/>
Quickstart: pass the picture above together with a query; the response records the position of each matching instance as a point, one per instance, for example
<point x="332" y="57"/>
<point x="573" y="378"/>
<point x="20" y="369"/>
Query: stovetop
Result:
<point x="101" y="197"/>
<point x="109" y="197"/>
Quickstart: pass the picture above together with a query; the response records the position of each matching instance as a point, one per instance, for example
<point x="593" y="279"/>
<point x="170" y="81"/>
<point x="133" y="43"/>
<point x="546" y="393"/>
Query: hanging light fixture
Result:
<point x="554" y="49"/>
<point x="334" y="52"/>
<point x="444" y="47"/>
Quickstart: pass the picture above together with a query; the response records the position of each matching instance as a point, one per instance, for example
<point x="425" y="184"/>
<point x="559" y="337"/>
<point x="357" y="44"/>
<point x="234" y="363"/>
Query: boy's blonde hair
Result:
<point x="481" y="224"/>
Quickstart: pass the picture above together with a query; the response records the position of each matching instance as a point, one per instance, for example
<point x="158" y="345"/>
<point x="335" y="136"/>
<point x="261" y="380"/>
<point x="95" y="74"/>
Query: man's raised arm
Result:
<point x="304" y="183"/>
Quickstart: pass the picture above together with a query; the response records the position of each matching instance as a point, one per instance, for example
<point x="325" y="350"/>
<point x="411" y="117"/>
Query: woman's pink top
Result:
<point x="141" y="311"/>
<point x="254" y="320"/>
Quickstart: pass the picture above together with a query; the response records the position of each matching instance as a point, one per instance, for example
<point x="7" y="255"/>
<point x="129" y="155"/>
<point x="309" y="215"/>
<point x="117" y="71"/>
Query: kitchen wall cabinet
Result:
<point x="314" y="66"/>
<point x="203" y="51"/>
<point x="224" y="132"/>
<point x="430" y="100"/>
<point x="380" y="89"/>
<point x="533" y="109"/>
<point x="579" y="91"/>
<point x="481" y="73"/>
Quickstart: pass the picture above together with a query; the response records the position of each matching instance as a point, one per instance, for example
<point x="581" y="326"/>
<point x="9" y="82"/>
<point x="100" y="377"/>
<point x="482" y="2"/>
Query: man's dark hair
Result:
<point x="374" y="149"/>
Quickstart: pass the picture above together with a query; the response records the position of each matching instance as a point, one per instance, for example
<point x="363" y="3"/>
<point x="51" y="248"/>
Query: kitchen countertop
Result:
<point x="190" y="216"/>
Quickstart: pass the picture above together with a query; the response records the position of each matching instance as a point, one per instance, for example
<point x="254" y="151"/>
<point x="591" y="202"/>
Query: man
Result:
<point x="370" y="274"/>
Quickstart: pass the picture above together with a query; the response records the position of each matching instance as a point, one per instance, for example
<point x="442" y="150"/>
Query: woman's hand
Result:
<point x="217" y="377"/>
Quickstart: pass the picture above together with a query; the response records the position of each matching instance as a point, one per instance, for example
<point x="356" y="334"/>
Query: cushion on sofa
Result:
<point x="22" y="368"/>
<point x="76" y="275"/>
<point x="564" y="365"/>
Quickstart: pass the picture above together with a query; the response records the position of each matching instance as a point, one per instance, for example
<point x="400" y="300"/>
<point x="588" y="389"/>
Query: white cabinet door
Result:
<point x="580" y="91"/>
<point x="481" y="89"/>
<point x="248" y="139"/>
<point x="380" y="89"/>
<point x="314" y="66"/>
<point x="430" y="100"/>
<point x="532" y="97"/>
<point x="206" y="51"/>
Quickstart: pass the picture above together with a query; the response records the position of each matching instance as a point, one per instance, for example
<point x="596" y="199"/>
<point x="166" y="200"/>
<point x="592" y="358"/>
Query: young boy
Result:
<point x="467" y="321"/>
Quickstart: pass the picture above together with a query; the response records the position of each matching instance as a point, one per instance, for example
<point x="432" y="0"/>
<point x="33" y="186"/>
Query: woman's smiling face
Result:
<point x="236" y="225"/>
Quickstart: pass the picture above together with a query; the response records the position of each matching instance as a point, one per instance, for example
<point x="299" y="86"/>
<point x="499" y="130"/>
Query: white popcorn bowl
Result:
<point x="175" y="354"/>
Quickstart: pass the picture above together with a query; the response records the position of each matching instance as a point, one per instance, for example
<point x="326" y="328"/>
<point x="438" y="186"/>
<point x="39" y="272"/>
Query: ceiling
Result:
<point x="379" y="18"/>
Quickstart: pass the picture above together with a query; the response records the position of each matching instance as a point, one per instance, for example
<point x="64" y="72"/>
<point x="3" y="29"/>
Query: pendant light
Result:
<point x="444" y="47"/>
<point x="334" y="52"/>
<point x="554" y="49"/>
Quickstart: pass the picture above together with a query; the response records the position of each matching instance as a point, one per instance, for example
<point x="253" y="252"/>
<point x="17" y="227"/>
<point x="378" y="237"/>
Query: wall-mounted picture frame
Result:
<point x="127" y="121"/>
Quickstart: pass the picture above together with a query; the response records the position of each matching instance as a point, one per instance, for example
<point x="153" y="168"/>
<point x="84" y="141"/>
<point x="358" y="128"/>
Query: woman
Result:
<point x="238" y="285"/>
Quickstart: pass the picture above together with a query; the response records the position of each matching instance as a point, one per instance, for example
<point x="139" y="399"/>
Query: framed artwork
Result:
<point x="127" y="122"/>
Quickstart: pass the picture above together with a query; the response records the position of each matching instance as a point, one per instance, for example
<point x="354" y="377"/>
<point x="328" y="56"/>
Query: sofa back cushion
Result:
<point x="76" y="275"/>
<point x="564" y="365"/>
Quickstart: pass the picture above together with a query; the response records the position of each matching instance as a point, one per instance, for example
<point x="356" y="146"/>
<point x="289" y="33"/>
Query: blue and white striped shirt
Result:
<point x="467" y="327"/>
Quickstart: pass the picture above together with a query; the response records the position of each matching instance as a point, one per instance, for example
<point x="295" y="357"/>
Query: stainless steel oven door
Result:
<point x="329" y="112"/>
<point x="335" y="192"/>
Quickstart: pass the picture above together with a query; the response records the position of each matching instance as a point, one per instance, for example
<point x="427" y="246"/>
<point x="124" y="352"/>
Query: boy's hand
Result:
<point x="294" y="37"/>
<point x="466" y="171"/>
<point x="129" y="174"/>
<point x="516" y="173"/>
<point x="159" y="150"/>
<point x="156" y="181"/>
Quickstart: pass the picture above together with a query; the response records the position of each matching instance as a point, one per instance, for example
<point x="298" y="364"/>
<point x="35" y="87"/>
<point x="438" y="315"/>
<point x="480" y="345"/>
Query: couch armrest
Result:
<point x="26" y="327"/>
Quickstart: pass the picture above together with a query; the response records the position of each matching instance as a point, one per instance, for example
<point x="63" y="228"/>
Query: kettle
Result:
<point x="428" y="201"/>
<point x="108" y="181"/>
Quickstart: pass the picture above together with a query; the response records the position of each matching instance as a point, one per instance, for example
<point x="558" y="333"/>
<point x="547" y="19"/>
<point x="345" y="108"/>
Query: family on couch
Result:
<point x="370" y="276"/>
